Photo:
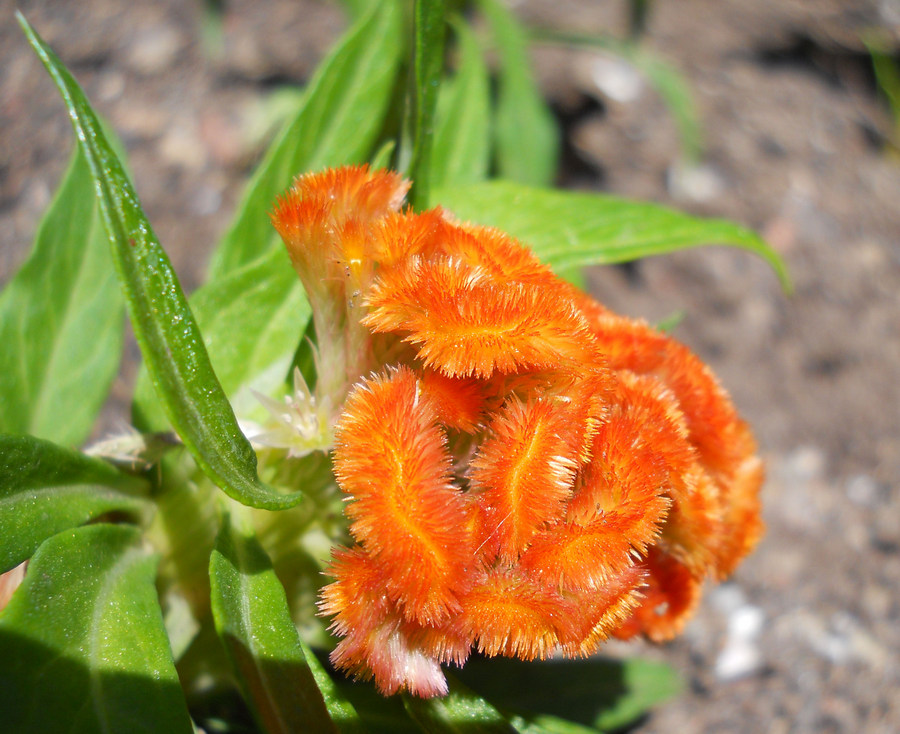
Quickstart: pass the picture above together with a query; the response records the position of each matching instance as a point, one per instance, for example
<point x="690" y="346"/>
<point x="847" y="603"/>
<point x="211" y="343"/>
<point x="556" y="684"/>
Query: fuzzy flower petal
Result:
<point x="392" y="459"/>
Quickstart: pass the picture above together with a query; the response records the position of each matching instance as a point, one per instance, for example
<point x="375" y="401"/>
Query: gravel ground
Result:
<point x="805" y="638"/>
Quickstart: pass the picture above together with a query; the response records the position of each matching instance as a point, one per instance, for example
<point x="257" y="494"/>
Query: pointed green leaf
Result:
<point x="605" y="694"/>
<point x="342" y="712"/>
<point x="381" y="158"/>
<point x="570" y="229"/>
<point x="163" y="323"/>
<point x="338" y="123"/>
<point x="428" y="65"/>
<point x="380" y="714"/>
<point x="45" y="488"/>
<point x="526" y="135"/>
<point x="461" y="152"/>
<point x="252" y="320"/>
<point x="461" y="711"/>
<point x="82" y="641"/>
<point x="254" y="624"/>
<point x="61" y="320"/>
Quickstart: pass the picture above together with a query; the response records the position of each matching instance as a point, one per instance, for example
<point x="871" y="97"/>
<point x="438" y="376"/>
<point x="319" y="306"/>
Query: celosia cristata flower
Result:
<point x="527" y="472"/>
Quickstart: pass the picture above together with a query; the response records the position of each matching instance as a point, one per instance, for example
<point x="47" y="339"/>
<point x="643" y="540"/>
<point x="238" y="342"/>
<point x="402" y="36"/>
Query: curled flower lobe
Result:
<point x="376" y="642"/>
<point x="324" y="217"/>
<point x="526" y="471"/>
<point x="670" y="597"/>
<point x="467" y="325"/>
<point x="582" y="558"/>
<point x="391" y="458"/>
<point x="508" y="614"/>
<point x="459" y="402"/>
<point x="606" y="609"/>
<point x="523" y="474"/>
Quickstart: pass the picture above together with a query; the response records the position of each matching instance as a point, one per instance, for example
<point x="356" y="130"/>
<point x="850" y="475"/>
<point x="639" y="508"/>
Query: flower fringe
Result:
<point x="527" y="472"/>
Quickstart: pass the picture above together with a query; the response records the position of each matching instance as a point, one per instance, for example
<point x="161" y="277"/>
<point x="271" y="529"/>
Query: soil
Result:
<point x="806" y="636"/>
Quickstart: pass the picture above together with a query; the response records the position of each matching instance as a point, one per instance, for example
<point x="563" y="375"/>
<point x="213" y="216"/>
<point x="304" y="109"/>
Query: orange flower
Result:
<point x="527" y="473"/>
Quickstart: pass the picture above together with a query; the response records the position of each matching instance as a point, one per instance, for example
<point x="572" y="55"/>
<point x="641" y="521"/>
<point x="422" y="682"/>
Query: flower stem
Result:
<point x="429" y="29"/>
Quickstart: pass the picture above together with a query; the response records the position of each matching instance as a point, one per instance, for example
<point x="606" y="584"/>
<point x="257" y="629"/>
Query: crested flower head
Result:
<point x="528" y="473"/>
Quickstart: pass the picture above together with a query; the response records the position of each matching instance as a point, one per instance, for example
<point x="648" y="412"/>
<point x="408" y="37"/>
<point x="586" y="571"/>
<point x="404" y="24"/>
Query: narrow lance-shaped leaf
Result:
<point x="526" y="135"/>
<point x="428" y="66"/>
<point x="338" y="123"/>
<point x="342" y="712"/>
<point x="82" y="641"/>
<point x="461" y="153"/>
<point x="254" y="624"/>
<point x="163" y="323"/>
<point x="251" y="320"/>
<point x="45" y="488"/>
<point x="61" y="321"/>
<point x="569" y="229"/>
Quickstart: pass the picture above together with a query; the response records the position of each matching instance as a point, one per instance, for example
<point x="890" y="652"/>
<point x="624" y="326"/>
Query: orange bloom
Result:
<point x="527" y="472"/>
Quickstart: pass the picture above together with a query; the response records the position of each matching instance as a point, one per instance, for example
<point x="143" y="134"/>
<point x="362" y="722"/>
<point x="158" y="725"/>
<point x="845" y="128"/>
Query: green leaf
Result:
<point x="604" y="694"/>
<point x="83" y="644"/>
<point x="462" y="151"/>
<point x="381" y="158"/>
<point x="526" y="135"/>
<point x="380" y="714"/>
<point x="342" y="712"/>
<point x="887" y="75"/>
<point x="428" y="64"/>
<point x="338" y="123"/>
<point x="569" y="229"/>
<point x="254" y="624"/>
<point x="460" y="712"/>
<point x="162" y="321"/>
<point x="251" y="320"/>
<point x="61" y="319"/>
<point x="45" y="488"/>
<point x="548" y="725"/>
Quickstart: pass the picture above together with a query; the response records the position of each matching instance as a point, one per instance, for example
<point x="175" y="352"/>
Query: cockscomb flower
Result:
<point x="527" y="473"/>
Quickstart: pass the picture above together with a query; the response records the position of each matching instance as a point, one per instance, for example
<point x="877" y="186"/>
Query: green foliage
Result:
<point x="83" y="643"/>
<point x="568" y="229"/>
<point x="428" y="66"/>
<point x="595" y="693"/>
<point x="526" y="136"/>
<point x="251" y="321"/>
<point x="252" y="619"/>
<point x="61" y="321"/>
<point x="163" y="323"/>
<point x="338" y="123"/>
<point x="462" y="149"/>
<point x="461" y="710"/>
<point x="887" y="75"/>
<point x="45" y="488"/>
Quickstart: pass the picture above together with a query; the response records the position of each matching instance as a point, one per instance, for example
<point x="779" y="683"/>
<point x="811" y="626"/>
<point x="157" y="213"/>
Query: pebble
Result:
<point x="863" y="490"/>
<point x="616" y="79"/>
<point x="741" y="655"/>
<point x="697" y="183"/>
<point x="154" y="50"/>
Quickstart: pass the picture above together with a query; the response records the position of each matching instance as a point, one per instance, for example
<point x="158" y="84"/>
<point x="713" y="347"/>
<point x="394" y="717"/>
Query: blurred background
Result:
<point x="798" y="140"/>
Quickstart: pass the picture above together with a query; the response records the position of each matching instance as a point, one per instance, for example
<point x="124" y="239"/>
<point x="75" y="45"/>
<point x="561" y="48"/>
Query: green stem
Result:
<point x="430" y="30"/>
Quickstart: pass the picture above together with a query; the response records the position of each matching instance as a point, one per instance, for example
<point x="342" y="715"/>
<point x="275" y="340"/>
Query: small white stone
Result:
<point x="616" y="79"/>
<point x="698" y="183"/>
<point x="738" y="660"/>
